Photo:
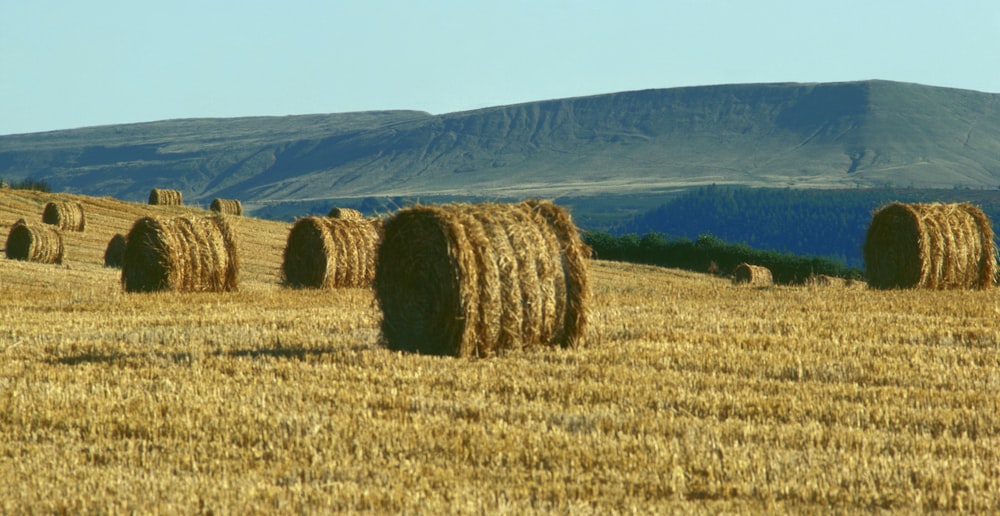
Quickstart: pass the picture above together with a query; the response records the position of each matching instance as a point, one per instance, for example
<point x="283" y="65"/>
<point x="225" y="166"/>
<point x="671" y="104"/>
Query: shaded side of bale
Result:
<point x="227" y="206"/>
<point x="753" y="275"/>
<point x="165" y="197"/>
<point x="40" y="243"/>
<point x="180" y="254"/>
<point x="930" y="245"/>
<point x="344" y="213"/>
<point x="114" y="254"/>
<point x="330" y="253"/>
<point x="476" y="280"/>
<point x="67" y="216"/>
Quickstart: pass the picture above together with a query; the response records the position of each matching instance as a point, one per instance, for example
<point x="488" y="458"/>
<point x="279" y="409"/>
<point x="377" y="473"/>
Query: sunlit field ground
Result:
<point x="691" y="395"/>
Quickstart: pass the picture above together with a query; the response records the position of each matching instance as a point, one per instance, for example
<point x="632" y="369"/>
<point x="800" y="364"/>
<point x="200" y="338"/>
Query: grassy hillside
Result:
<point x="691" y="395"/>
<point x="871" y="133"/>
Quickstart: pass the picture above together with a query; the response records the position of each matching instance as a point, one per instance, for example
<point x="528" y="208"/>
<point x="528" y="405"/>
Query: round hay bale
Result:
<point x="330" y="253"/>
<point x="227" y="206"/>
<point x="931" y="245"/>
<point x="753" y="275"/>
<point x="476" y="280"/>
<point x="114" y="255"/>
<point x="345" y="213"/>
<point x="40" y="243"/>
<point x="67" y="216"/>
<point x="181" y="254"/>
<point x="164" y="197"/>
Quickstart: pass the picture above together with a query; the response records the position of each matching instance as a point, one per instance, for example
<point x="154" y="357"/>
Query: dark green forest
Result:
<point x="824" y="223"/>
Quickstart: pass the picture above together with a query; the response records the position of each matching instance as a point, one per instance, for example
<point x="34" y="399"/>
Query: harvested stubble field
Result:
<point x="691" y="395"/>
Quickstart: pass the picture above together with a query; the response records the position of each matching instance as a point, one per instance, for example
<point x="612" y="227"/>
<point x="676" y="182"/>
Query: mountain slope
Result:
<point x="871" y="133"/>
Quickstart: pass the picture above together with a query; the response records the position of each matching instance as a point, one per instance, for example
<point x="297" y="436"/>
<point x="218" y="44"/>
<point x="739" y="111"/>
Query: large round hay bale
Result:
<point x="330" y="253"/>
<point x="227" y="206"/>
<point x="345" y="213"/>
<point x="475" y="280"/>
<point x="68" y="216"/>
<point x="35" y="243"/>
<point x="753" y="275"/>
<point x="114" y="254"/>
<point x="181" y="254"/>
<point x="164" y="197"/>
<point x="930" y="245"/>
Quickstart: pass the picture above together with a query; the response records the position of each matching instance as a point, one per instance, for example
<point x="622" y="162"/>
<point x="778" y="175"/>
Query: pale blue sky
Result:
<point x="66" y="64"/>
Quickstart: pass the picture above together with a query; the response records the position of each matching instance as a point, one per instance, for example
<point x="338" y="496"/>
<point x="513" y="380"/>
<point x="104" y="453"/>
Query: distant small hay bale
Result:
<point x="164" y="197"/>
<point x="931" y="245"/>
<point x="823" y="280"/>
<point x="345" y="213"/>
<point x="227" y="206"/>
<point x="114" y="255"/>
<point x="4" y="185"/>
<point x="40" y="243"/>
<point x="476" y="280"/>
<point x="753" y="275"/>
<point x="330" y="253"/>
<point x="181" y="254"/>
<point x="67" y="216"/>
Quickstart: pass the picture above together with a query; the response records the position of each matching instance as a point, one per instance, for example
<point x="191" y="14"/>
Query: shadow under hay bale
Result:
<point x="114" y="255"/>
<point x="181" y="254"/>
<point x="40" y="243"/>
<point x="931" y="245"/>
<point x="67" y="216"/>
<point x="227" y="206"/>
<point x="753" y="275"/>
<point x="345" y="213"/>
<point x="330" y="253"/>
<point x="164" y="197"/>
<point x="476" y="280"/>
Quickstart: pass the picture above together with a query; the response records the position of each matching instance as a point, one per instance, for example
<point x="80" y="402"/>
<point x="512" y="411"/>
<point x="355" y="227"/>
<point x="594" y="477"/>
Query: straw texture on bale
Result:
<point x="227" y="206"/>
<point x="184" y="254"/>
<point x="115" y="252"/>
<point x="35" y="243"/>
<point x="930" y="245"/>
<point x="68" y="216"/>
<point x="330" y="253"/>
<point x="753" y="275"/>
<point x="164" y="197"/>
<point x="476" y="280"/>
<point x="345" y="213"/>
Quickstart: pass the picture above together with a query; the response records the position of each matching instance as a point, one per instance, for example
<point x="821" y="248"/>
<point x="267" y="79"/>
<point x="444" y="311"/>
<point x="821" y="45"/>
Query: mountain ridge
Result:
<point x="802" y="135"/>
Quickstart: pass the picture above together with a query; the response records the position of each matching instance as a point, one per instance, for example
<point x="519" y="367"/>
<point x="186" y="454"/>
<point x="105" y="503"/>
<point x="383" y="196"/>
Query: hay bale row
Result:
<point x="330" y="253"/>
<point x="227" y="206"/>
<point x="345" y="213"/>
<point x="114" y="254"/>
<point x="753" y="275"/>
<point x="40" y="243"/>
<point x="164" y="197"/>
<point x="475" y="280"/>
<point x="67" y="216"/>
<point x="930" y="245"/>
<point x="185" y="254"/>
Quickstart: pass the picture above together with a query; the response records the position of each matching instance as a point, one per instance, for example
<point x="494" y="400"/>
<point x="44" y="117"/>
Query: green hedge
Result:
<point x="701" y="254"/>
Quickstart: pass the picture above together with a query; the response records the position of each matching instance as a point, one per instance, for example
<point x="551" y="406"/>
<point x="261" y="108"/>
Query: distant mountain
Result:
<point x="855" y="134"/>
